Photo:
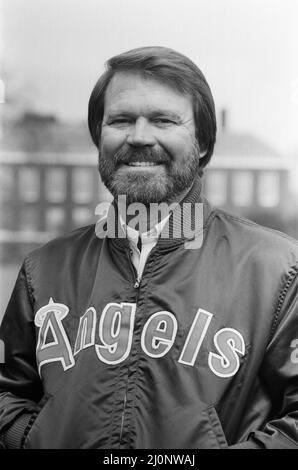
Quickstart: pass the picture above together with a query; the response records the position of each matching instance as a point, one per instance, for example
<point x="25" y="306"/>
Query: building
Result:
<point x="50" y="183"/>
<point x="246" y="176"/>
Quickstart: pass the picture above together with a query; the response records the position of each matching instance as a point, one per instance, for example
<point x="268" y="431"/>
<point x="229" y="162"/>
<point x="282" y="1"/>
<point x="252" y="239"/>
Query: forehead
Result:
<point x="132" y="91"/>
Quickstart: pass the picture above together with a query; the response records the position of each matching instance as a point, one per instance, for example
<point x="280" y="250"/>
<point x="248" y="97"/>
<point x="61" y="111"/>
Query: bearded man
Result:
<point x="141" y="338"/>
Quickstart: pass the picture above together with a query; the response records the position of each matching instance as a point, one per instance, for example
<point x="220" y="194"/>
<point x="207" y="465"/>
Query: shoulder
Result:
<point x="261" y="242"/>
<point x="67" y="247"/>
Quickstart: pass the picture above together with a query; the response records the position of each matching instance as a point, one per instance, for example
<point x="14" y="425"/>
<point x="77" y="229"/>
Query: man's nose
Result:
<point x="140" y="133"/>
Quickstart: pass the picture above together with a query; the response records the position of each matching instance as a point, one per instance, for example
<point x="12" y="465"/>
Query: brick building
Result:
<point x="50" y="183"/>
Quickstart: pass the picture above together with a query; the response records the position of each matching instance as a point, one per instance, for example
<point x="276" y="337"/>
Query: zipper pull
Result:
<point x="136" y="285"/>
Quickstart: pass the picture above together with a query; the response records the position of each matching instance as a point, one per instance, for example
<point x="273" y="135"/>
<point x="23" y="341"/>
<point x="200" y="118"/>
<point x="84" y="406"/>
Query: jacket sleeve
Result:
<point x="20" y="384"/>
<point x="279" y="372"/>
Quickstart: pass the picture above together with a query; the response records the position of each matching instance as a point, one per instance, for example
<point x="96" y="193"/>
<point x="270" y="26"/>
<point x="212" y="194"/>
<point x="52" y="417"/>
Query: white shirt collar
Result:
<point x="146" y="237"/>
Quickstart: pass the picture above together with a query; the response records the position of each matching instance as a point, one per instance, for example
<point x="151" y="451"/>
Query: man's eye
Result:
<point x="163" y="121"/>
<point x="119" y="121"/>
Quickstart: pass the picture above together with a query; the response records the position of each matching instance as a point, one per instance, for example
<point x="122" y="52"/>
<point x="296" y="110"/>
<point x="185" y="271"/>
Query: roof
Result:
<point x="46" y="136"/>
<point x="38" y="133"/>
<point x="242" y="145"/>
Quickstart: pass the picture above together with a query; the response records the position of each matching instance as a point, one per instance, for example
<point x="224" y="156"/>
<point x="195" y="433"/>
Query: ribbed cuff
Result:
<point x="13" y="437"/>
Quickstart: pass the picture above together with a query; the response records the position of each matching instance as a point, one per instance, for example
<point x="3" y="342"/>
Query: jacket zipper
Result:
<point x="123" y="415"/>
<point x="136" y="285"/>
<point x="137" y="281"/>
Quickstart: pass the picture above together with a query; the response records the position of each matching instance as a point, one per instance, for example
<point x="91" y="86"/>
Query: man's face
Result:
<point x="148" y="149"/>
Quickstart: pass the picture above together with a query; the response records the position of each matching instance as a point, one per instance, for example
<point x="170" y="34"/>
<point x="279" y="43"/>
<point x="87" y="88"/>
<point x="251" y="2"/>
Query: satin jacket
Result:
<point x="202" y="353"/>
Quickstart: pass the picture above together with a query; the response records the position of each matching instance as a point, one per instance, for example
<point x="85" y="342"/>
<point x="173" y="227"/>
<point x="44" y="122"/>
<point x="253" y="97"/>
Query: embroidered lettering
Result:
<point x="159" y="334"/>
<point x="115" y="332"/>
<point x="195" y="337"/>
<point x="228" y="342"/>
<point x="294" y="354"/>
<point x="86" y="331"/>
<point x="49" y="320"/>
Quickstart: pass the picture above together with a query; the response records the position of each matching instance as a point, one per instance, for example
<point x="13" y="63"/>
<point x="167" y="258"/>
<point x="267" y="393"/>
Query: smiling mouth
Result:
<point x="143" y="164"/>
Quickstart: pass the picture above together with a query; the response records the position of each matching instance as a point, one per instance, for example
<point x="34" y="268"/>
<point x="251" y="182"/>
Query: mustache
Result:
<point x="127" y="155"/>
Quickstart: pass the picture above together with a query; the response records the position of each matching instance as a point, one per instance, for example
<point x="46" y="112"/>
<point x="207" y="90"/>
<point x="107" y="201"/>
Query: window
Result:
<point x="29" y="184"/>
<point x="28" y="219"/>
<point x="81" y="216"/>
<point x="55" y="218"/>
<point x="216" y="187"/>
<point x="82" y="185"/>
<point x="268" y="189"/>
<point x="7" y="219"/>
<point x="242" y="188"/>
<point x="6" y="183"/>
<point x="55" y="187"/>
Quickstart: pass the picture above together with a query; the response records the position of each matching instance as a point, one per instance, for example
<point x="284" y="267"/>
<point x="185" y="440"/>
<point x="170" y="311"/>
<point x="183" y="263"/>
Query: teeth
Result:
<point x="142" y="164"/>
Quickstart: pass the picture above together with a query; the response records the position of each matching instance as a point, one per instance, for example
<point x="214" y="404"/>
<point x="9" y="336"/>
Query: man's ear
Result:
<point x="98" y="133"/>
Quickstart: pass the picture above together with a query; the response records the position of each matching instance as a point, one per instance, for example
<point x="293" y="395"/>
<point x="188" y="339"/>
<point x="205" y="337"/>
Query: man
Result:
<point x="135" y="335"/>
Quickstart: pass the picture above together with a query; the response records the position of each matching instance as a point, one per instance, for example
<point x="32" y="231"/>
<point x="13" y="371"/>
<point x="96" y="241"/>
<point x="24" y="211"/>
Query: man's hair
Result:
<point x="170" y="68"/>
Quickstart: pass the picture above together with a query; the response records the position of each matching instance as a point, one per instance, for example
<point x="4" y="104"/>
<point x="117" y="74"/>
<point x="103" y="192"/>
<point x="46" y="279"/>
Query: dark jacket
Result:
<point x="202" y="354"/>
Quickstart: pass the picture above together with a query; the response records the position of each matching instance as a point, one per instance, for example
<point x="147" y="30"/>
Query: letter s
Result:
<point x="228" y="342"/>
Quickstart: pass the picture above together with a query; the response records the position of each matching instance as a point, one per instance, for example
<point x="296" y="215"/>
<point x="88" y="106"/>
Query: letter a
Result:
<point x="48" y="319"/>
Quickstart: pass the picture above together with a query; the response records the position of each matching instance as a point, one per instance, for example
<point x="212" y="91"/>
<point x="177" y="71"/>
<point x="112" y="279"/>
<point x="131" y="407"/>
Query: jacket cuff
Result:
<point x="14" y="436"/>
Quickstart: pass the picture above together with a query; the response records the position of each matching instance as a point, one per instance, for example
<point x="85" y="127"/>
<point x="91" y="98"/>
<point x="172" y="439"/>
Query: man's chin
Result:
<point x="147" y="187"/>
<point x="142" y="196"/>
<point x="142" y="190"/>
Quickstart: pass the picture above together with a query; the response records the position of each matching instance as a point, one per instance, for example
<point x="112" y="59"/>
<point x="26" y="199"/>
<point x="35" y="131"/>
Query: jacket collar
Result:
<point x="186" y="222"/>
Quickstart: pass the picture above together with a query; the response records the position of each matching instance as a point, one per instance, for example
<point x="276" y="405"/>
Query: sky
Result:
<point x="54" y="50"/>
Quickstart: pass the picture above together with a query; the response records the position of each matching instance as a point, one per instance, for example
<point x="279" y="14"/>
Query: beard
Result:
<point x="173" y="178"/>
